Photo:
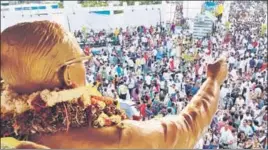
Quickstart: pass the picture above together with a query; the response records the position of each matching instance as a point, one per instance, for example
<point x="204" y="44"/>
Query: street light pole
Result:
<point x="160" y="20"/>
<point x="68" y="21"/>
<point x="160" y="16"/>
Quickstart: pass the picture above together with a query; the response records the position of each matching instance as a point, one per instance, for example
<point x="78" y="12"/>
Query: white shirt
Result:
<point x="245" y="41"/>
<point x="234" y="75"/>
<point x="180" y="106"/>
<point x="250" y="46"/>
<point x="240" y="101"/>
<point x="130" y="63"/>
<point x="148" y="80"/>
<point x="259" y="115"/>
<point x="144" y="39"/>
<point x="258" y="91"/>
<point x="233" y="139"/>
<point x="242" y="64"/>
<point x="223" y="92"/>
<point x="105" y="58"/>
<point x="166" y="76"/>
<point x="154" y="52"/>
<point x="169" y="44"/>
<point x="123" y="89"/>
<point x="225" y="135"/>
<point x="213" y="39"/>
<point x="162" y="84"/>
<point x="171" y="90"/>
<point x="231" y="60"/>
<point x="131" y="83"/>
<point x="180" y="76"/>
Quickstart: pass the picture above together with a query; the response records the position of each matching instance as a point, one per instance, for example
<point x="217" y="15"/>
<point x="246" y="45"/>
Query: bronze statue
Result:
<point x="42" y="67"/>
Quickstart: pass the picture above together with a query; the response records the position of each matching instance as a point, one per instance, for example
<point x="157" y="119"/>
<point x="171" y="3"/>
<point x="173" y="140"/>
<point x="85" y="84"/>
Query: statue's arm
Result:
<point x="194" y="120"/>
<point x="180" y="131"/>
<point x="184" y="130"/>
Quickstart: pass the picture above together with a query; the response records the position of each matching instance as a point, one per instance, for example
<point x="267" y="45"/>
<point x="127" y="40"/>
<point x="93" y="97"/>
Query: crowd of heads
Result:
<point x="161" y="69"/>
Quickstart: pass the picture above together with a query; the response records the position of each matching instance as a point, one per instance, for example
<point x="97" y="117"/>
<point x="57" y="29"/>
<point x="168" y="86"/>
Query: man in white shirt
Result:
<point x="131" y="83"/>
<point x="231" y="60"/>
<point x="166" y="76"/>
<point x="162" y="85"/>
<point x="144" y="39"/>
<point x="130" y="63"/>
<point x="247" y="116"/>
<point x="180" y="76"/>
<point x="242" y="65"/>
<point x="223" y="92"/>
<point x="154" y="52"/>
<point x="258" y="92"/>
<point x="240" y="101"/>
<point x="226" y="133"/>
<point x="148" y="80"/>
<point x="120" y="37"/>
<point x="105" y="58"/>
<point x="260" y="113"/>
<point x="233" y="140"/>
<point x="123" y="91"/>
<point x="234" y="74"/>
<point x="169" y="44"/>
<point x="171" y="88"/>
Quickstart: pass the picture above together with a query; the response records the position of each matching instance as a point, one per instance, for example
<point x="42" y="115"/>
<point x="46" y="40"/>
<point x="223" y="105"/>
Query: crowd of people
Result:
<point x="161" y="69"/>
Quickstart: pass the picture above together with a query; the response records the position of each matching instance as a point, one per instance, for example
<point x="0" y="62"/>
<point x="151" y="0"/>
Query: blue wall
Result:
<point x="102" y="12"/>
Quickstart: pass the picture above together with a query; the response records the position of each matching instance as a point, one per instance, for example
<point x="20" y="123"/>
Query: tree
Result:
<point x="150" y="2"/>
<point x="94" y="3"/>
<point x="60" y="5"/>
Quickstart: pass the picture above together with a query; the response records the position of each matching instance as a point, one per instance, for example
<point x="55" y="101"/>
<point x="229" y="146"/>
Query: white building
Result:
<point x="73" y="17"/>
<point x="191" y="8"/>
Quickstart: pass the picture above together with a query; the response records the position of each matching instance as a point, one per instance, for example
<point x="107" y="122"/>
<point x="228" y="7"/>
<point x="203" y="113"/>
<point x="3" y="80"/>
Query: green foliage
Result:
<point x="129" y="2"/>
<point x="118" y="11"/>
<point x="60" y="5"/>
<point x="150" y="2"/>
<point x="94" y="4"/>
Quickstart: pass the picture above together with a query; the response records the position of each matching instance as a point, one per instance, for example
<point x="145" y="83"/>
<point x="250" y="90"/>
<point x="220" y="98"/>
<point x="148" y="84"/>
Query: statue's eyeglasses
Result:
<point x="76" y="60"/>
<point x="64" y="68"/>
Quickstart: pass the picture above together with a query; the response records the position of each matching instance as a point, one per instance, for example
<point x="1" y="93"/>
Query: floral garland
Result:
<point x="31" y="115"/>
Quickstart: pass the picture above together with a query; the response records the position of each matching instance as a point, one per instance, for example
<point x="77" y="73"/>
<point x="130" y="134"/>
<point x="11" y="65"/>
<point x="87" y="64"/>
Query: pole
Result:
<point x="160" y="16"/>
<point x="69" y="26"/>
<point x="160" y="21"/>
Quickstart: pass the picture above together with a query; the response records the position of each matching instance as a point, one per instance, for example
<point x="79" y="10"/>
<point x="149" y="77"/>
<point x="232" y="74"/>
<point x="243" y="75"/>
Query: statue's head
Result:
<point x="40" y="55"/>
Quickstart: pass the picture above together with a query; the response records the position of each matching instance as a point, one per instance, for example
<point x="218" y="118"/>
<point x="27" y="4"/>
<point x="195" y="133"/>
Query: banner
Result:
<point x="227" y="25"/>
<point x="219" y="9"/>
<point x="84" y="30"/>
<point x="188" y="57"/>
<point x="263" y="29"/>
<point x="209" y="6"/>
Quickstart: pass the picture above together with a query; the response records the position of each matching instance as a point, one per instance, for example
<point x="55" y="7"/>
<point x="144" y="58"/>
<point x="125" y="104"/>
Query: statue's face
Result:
<point x="47" y="57"/>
